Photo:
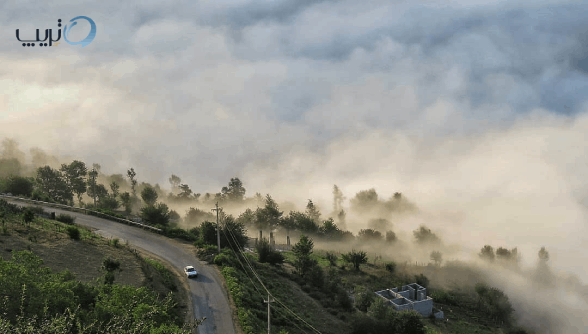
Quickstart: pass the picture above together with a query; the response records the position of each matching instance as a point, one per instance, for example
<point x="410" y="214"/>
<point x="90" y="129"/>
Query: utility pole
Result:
<point x="217" y="227"/>
<point x="268" y="301"/>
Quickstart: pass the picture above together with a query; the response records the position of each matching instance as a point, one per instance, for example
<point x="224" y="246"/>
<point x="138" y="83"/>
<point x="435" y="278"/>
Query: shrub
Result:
<point x="364" y="299"/>
<point x="411" y="322"/>
<point x="28" y="216"/>
<point x="422" y="280"/>
<point x="65" y="218"/>
<point x="356" y="258"/>
<point x="38" y="210"/>
<point x="344" y="300"/>
<point x="19" y="186"/>
<point x="316" y="276"/>
<point x="443" y="297"/>
<point x="73" y="232"/>
<point x="332" y="258"/>
<point x="180" y="233"/>
<point x="391" y="267"/>
<point x="267" y="254"/>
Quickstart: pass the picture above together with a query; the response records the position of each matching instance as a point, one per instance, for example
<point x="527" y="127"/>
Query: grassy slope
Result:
<point x="48" y="240"/>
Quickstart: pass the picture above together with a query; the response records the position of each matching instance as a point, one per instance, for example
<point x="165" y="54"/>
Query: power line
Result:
<point x="265" y="288"/>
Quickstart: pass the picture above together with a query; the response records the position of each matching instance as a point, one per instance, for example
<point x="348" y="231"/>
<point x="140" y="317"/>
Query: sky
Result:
<point x="475" y="110"/>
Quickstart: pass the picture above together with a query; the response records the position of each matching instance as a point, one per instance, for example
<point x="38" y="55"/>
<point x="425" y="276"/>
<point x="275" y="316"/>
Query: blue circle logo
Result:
<point x="88" y="38"/>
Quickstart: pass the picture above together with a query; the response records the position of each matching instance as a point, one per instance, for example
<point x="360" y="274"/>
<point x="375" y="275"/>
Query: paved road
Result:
<point x="208" y="297"/>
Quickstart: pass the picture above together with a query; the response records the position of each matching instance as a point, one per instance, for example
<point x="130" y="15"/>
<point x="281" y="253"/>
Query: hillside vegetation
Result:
<point x="38" y="299"/>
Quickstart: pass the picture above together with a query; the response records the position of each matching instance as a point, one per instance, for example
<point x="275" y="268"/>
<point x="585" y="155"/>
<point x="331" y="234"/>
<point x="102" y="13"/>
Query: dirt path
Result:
<point x="208" y="297"/>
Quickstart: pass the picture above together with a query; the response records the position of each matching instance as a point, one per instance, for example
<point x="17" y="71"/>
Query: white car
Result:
<point x="190" y="271"/>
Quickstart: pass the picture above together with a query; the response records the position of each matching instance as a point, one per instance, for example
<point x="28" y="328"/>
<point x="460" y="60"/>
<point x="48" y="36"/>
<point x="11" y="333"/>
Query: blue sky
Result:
<point x="469" y="105"/>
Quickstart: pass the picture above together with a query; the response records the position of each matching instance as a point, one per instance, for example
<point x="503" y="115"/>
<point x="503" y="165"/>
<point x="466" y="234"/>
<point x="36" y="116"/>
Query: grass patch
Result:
<point x="168" y="278"/>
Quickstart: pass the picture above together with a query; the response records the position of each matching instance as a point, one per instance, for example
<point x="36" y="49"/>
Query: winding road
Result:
<point x="208" y="297"/>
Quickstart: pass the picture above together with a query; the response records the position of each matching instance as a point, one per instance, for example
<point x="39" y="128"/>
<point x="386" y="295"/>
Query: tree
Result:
<point x="268" y="217"/>
<point x="174" y="181"/>
<point x="390" y="236"/>
<point x="266" y="254"/>
<point x="543" y="254"/>
<point x="28" y="216"/>
<point x="92" y="181"/>
<point x="98" y="191"/>
<point x="195" y="216"/>
<point x="75" y="174"/>
<point x="437" y="257"/>
<point x="149" y="195"/>
<point x="126" y="201"/>
<point x="303" y="222"/>
<point x="19" y="185"/>
<point x="208" y="233"/>
<point x="157" y="214"/>
<point x="369" y="235"/>
<point x="494" y="302"/>
<point x="487" y="253"/>
<point x="185" y="192"/>
<point x="379" y="224"/>
<point x="341" y="218"/>
<point x="235" y="192"/>
<point x="365" y="201"/>
<point x="302" y="251"/>
<point x="313" y="212"/>
<point x="131" y="175"/>
<point x="114" y="189"/>
<point x="233" y="233"/>
<point x="424" y="235"/>
<point x="51" y="182"/>
<point x="329" y="230"/>
<point x="338" y="199"/>
<point x="356" y="258"/>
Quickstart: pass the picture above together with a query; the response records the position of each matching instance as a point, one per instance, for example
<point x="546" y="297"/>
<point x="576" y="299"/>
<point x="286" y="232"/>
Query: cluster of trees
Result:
<point x="502" y="254"/>
<point x="367" y="202"/>
<point x="43" y="301"/>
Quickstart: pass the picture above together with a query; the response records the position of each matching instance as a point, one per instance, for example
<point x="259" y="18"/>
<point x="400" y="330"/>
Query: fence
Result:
<point x="84" y="211"/>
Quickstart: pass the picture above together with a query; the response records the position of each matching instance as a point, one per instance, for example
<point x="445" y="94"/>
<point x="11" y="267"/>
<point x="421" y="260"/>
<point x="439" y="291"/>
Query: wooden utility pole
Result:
<point x="268" y="301"/>
<point x="217" y="227"/>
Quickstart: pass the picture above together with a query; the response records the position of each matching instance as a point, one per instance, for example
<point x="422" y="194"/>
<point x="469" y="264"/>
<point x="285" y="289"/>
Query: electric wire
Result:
<point x="267" y="290"/>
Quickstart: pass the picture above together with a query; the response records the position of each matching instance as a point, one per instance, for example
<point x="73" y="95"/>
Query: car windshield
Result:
<point x="190" y="269"/>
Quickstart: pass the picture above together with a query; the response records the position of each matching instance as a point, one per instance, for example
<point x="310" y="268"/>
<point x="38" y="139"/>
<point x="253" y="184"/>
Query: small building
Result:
<point x="410" y="297"/>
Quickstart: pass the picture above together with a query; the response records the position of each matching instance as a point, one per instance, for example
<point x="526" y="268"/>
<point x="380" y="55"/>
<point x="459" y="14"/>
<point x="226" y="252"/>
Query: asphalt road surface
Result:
<point x="208" y="297"/>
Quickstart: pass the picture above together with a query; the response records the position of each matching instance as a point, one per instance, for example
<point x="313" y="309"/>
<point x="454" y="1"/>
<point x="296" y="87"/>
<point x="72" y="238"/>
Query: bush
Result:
<point x="344" y="300"/>
<point x="156" y="214"/>
<point x="316" y="276"/>
<point x="19" y="186"/>
<point x="391" y="267"/>
<point x="180" y="233"/>
<point x="332" y="258"/>
<point x="356" y="258"/>
<point x="108" y="203"/>
<point x="364" y="299"/>
<point x="225" y="258"/>
<point x="65" y="218"/>
<point x="73" y="232"/>
<point x="38" y="210"/>
<point x="411" y="322"/>
<point x="443" y="297"/>
<point x="422" y="280"/>
<point x="38" y="195"/>
<point x="267" y="254"/>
